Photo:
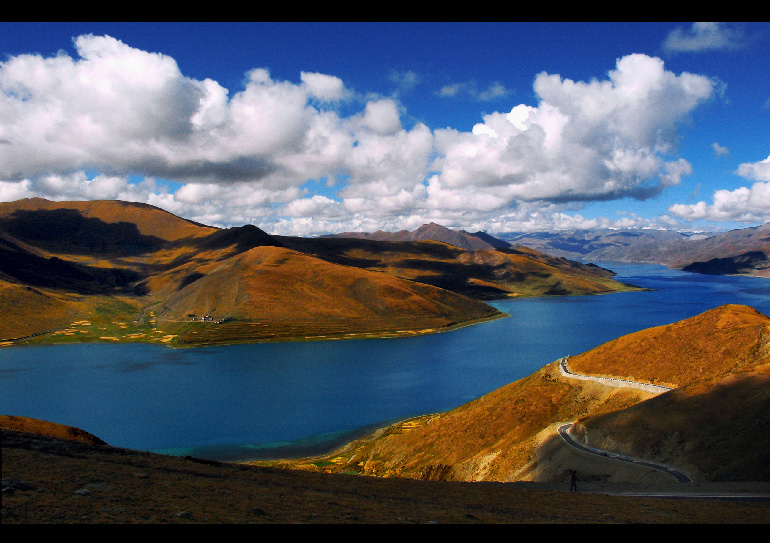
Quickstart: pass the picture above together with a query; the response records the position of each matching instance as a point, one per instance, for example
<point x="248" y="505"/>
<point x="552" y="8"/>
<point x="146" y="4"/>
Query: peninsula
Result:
<point x="121" y="271"/>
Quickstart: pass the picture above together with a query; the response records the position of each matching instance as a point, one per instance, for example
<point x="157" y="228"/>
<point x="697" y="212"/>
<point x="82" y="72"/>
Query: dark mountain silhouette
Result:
<point x="744" y="263"/>
<point x="241" y="238"/>
<point x="22" y="266"/>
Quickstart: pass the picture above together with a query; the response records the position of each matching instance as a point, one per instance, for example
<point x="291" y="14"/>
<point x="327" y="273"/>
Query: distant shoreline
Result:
<point x="24" y="342"/>
<point x="47" y="337"/>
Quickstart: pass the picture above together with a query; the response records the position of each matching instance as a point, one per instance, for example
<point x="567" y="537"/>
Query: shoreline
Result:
<point x="29" y="340"/>
<point x="23" y="342"/>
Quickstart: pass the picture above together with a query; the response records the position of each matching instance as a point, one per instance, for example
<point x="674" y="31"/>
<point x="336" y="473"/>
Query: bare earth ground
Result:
<point x="51" y="480"/>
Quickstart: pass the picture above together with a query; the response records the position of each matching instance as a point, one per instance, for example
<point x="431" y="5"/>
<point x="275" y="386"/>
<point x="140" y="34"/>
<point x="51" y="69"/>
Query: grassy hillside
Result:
<point x="148" y="220"/>
<point x="719" y="428"/>
<point x="46" y="428"/>
<point x="493" y="438"/>
<point x="714" y="425"/>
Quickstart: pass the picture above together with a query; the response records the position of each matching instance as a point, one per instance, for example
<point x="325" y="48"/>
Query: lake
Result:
<point x="261" y="401"/>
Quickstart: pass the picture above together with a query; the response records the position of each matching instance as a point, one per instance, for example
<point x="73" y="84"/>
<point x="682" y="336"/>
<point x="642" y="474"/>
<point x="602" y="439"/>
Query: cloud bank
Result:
<point x="119" y="122"/>
<point x="744" y="204"/>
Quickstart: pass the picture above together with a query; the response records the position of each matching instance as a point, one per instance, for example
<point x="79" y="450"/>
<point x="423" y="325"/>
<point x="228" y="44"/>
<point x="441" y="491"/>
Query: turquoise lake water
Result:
<point x="245" y="402"/>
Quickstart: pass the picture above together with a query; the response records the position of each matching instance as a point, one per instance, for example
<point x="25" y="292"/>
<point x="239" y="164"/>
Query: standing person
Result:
<point x="573" y="484"/>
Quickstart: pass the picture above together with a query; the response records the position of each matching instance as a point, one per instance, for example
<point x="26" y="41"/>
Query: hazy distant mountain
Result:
<point x="745" y="251"/>
<point x="742" y="251"/>
<point x="434" y="232"/>
<point x="603" y="244"/>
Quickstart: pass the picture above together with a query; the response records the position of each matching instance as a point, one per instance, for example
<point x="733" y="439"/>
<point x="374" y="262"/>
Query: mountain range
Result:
<point x="122" y="271"/>
<point x="434" y="232"/>
<point x="744" y="251"/>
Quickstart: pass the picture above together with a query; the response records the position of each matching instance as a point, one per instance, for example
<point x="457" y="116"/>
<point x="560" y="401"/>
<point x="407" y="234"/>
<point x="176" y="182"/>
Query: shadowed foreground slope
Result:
<point x="54" y="480"/>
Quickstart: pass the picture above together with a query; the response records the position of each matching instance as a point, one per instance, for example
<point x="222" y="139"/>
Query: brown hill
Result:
<point x="481" y="274"/>
<point x="33" y="311"/>
<point x="493" y="438"/>
<point x="714" y="425"/>
<point x="149" y="220"/>
<point x="120" y="271"/>
<point x="717" y="429"/>
<point x="272" y="292"/>
<point x="717" y="343"/>
<point x="45" y="428"/>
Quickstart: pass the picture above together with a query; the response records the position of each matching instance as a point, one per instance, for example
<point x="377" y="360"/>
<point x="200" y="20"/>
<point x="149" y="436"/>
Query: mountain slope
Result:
<point x="135" y="272"/>
<point x="723" y="341"/>
<point x="271" y="292"/>
<point x="58" y="480"/>
<point x="483" y="274"/>
<point x="714" y="425"/>
<point x="148" y="220"/>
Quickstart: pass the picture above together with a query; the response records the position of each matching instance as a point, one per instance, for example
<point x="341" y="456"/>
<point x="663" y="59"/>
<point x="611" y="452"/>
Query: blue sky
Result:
<point x="314" y="128"/>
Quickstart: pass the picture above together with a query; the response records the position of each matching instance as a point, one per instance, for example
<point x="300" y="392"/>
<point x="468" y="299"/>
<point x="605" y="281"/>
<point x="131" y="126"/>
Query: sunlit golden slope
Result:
<point x="148" y="275"/>
<point x="46" y="428"/>
<point x="715" y="425"/>
<point x="153" y="276"/>
<point x="270" y="292"/>
<point x="723" y="341"/>
<point x="274" y="283"/>
<point x="31" y="311"/>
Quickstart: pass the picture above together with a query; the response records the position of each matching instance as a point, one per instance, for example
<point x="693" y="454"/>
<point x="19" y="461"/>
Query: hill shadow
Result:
<point x="732" y="265"/>
<point x="333" y="250"/>
<point x="242" y="238"/>
<point x="55" y="273"/>
<point x="68" y="231"/>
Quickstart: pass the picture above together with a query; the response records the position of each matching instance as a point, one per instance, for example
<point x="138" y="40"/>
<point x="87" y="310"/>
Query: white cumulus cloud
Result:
<point x="584" y="140"/>
<point x="327" y="88"/>
<point x="245" y="155"/>
<point x="744" y="204"/>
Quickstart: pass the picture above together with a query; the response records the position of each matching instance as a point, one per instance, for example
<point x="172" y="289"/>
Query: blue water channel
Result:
<point x="260" y="401"/>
